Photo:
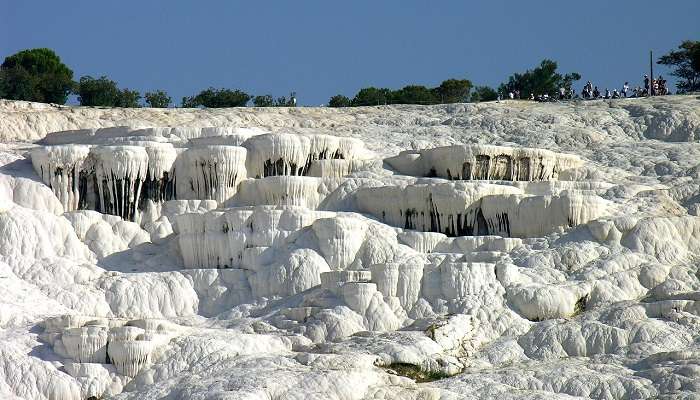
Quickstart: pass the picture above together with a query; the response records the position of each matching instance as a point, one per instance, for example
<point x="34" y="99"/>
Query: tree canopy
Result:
<point x="264" y="101"/>
<point x="35" y="75"/>
<point x="414" y="94"/>
<point x="543" y="79"/>
<point x="158" y="99"/>
<point x="372" y="96"/>
<point x="268" y="101"/>
<point x="449" y="91"/>
<point x="339" y="101"/>
<point x="686" y="64"/>
<point x="103" y="92"/>
<point x="454" y="91"/>
<point x="483" y="93"/>
<point x="217" y="98"/>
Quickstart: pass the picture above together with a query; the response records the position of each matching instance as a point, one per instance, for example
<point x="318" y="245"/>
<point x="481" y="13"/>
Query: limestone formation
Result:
<point x="494" y="250"/>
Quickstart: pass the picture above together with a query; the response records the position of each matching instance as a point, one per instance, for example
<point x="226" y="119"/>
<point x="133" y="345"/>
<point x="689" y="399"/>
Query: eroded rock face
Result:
<point x="229" y="262"/>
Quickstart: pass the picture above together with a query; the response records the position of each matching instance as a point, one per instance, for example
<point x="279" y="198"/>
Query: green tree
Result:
<point x="339" y="101"/>
<point x="263" y="101"/>
<point x="35" y="75"/>
<point x="217" y="98"/>
<point x="686" y="64"/>
<point x="372" y="96"/>
<point x="483" y="93"/>
<point x="102" y="92"/>
<point x="414" y="94"/>
<point x="158" y="99"/>
<point x="543" y="79"/>
<point x="454" y="91"/>
<point x="128" y="98"/>
<point x="286" y="102"/>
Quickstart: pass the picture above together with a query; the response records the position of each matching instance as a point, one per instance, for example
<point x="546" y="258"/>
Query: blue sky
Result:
<point x="321" y="48"/>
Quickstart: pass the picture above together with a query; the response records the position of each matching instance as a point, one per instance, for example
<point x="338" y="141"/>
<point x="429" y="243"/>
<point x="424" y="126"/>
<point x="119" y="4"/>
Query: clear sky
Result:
<point x="322" y="48"/>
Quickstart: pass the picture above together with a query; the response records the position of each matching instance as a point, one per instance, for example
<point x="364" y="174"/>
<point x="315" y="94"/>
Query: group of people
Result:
<point x="655" y="87"/>
<point x="652" y="87"/>
<point x="564" y="94"/>
<point x="592" y="92"/>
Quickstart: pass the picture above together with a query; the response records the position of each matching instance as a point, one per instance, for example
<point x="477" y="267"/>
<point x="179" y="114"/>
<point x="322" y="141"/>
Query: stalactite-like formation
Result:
<point x="210" y="172"/>
<point x="270" y="155"/>
<point x="61" y="168"/>
<point x="159" y="185"/>
<point x="127" y="345"/>
<point x="482" y="162"/>
<point x="138" y="166"/>
<point x="86" y="344"/>
<point x="468" y="209"/>
<point x="119" y="175"/>
<point x="281" y="191"/>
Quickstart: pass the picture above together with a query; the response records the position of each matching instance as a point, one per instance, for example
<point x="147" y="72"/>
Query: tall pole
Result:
<point x="651" y="73"/>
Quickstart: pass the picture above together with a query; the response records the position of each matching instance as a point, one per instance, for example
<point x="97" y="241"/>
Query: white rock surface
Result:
<point x="507" y="250"/>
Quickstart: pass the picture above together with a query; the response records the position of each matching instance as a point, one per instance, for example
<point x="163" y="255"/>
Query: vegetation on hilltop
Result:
<point x="39" y="75"/>
<point x="686" y="65"/>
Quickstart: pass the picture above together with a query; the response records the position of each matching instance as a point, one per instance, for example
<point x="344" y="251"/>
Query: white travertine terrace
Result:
<point x="288" y="154"/>
<point x="127" y="345"/>
<point x="305" y="265"/>
<point x="143" y="168"/>
<point x="468" y="209"/>
<point x="282" y="190"/>
<point x="483" y="162"/>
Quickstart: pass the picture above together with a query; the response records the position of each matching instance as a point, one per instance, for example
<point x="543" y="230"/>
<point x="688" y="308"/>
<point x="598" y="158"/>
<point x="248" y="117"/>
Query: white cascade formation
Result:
<point x="159" y="185"/>
<point x="281" y="191"/>
<point x="120" y="172"/>
<point x="210" y="172"/>
<point x="61" y="168"/>
<point x="130" y="356"/>
<point x="468" y="209"/>
<point x="484" y="162"/>
<point x="533" y="216"/>
<point x="87" y="344"/>
<point x="449" y="208"/>
<point x="288" y="154"/>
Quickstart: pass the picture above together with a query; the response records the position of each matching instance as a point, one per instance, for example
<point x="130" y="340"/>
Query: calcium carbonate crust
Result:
<point x="512" y="250"/>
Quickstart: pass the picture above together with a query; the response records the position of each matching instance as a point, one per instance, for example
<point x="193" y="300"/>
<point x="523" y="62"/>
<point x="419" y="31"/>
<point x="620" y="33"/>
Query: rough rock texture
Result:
<point x="510" y="250"/>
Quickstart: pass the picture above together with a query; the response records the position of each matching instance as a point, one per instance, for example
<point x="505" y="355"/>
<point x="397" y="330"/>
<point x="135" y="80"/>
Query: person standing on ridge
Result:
<point x="646" y="84"/>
